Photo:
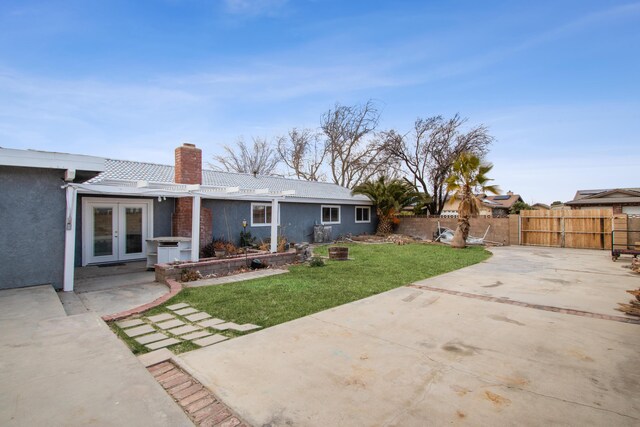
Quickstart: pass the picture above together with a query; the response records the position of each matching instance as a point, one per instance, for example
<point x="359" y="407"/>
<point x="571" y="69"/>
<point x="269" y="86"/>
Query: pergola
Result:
<point x="156" y="189"/>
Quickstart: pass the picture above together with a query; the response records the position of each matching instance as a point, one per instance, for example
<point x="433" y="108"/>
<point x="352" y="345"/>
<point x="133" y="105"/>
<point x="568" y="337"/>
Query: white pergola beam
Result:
<point x="232" y="190"/>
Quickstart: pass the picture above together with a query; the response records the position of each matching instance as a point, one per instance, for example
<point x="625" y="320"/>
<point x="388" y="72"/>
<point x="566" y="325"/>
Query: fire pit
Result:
<point x="339" y="253"/>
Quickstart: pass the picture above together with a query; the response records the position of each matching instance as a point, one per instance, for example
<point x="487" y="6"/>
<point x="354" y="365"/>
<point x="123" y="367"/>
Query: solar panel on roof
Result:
<point x="501" y="197"/>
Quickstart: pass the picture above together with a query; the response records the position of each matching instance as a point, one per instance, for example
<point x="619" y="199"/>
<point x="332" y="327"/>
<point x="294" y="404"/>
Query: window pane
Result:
<point x="326" y="214"/>
<point x="335" y="216"/>
<point x="365" y="214"/>
<point x="134" y="230"/>
<point x="258" y="214"/>
<point x="268" y="214"/>
<point x="359" y="214"/>
<point x="102" y="231"/>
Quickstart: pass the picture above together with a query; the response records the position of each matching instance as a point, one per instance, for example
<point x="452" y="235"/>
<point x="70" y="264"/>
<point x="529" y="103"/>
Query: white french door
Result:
<point x="115" y="229"/>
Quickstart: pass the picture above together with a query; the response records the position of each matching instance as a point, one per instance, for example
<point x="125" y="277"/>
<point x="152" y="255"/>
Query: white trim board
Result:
<point x="50" y="160"/>
<point x="331" y="222"/>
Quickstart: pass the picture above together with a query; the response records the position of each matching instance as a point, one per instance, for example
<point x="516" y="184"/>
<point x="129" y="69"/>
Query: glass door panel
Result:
<point x="133" y="230"/>
<point x="133" y="226"/>
<point x="104" y="220"/>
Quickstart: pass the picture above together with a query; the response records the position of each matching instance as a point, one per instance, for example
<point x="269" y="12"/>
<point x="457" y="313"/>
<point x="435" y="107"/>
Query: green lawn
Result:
<point x="306" y="290"/>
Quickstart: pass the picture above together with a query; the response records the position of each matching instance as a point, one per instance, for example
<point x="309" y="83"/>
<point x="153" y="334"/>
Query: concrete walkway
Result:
<point x="577" y="279"/>
<point x="415" y="357"/>
<point x="71" y="370"/>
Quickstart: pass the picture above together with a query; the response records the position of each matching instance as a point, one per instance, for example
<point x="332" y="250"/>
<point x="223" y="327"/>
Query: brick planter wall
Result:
<point x="221" y="266"/>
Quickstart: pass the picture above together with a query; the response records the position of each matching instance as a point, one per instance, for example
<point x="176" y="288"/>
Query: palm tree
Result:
<point x="468" y="175"/>
<point x="389" y="197"/>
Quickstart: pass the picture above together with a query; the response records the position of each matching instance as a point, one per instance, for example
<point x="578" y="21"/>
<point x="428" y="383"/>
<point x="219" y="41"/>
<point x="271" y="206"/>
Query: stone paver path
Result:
<point x="213" y="339"/>
<point x="170" y="324"/>
<point x="182" y="324"/>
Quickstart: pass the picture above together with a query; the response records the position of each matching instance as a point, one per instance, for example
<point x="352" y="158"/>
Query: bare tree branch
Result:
<point x="429" y="150"/>
<point x="303" y="152"/>
<point x="260" y="159"/>
<point x="354" y="156"/>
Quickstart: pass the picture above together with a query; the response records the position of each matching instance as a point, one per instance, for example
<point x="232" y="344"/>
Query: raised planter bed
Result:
<point x="339" y="253"/>
<point x="221" y="266"/>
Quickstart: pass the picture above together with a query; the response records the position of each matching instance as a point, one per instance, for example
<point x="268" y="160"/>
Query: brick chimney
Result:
<point x="188" y="165"/>
<point x="188" y="170"/>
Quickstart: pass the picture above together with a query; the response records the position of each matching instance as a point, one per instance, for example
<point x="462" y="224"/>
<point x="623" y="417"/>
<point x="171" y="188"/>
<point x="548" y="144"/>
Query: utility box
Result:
<point x="321" y="233"/>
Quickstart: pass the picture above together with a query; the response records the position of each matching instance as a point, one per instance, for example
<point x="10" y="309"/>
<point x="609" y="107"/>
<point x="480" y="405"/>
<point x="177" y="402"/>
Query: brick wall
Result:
<point x="188" y="170"/>
<point x="424" y="228"/>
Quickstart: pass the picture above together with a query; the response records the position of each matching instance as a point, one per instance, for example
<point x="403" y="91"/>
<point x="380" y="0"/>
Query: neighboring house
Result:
<point x="60" y="211"/>
<point x="491" y="205"/>
<point x="620" y="200"/>
<point x="451" y="207"/>
<point x="540" y="207"/>
<point x="502" y="203"/>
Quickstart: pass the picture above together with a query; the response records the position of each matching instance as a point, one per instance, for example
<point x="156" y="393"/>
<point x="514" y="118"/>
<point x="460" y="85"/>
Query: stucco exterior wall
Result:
<point x="296" y="220"/>
<point x="32" y="211"/>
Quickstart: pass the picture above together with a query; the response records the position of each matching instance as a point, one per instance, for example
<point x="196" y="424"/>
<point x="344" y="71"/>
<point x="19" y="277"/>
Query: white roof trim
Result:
<point x="50" y="160"/>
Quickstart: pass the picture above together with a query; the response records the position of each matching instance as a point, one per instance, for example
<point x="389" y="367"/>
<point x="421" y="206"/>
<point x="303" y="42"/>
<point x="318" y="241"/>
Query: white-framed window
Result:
<point x="261" y="214"/>
<point x="330" y="214"/>
<point x="363" y="214"/>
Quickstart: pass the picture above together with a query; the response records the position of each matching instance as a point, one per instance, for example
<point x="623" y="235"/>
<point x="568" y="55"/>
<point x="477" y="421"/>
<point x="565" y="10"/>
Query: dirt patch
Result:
<point x="497" y="400"/>
<point x="495" y="285"/>
<point x="505" y="319"/>
<point x="460" y="348"/>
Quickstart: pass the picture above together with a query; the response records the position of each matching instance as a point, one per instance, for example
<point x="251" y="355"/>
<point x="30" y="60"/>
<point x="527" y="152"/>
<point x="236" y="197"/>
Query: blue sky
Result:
<point x="557" y="82"/>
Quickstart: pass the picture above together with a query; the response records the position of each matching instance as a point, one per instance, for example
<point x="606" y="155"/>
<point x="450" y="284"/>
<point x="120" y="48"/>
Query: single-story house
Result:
<point x="491" y="205"/>
<point x="61" y="211"/>
<point x="540" y="207"/>
<point x="620" y="200"/>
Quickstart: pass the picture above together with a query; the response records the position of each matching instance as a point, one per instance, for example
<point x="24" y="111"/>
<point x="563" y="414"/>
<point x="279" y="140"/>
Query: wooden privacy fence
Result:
<point x="582" y="229"/>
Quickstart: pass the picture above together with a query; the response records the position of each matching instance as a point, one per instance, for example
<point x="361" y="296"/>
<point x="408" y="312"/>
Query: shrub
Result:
<point x="190" y="275"/>
<point x="316" y="262"/>
<point x="246" y="239"/>
<point x="208" y="251"/>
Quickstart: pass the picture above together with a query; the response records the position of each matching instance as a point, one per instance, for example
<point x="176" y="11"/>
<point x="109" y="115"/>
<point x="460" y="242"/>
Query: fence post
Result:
<point x="562" y="241"/>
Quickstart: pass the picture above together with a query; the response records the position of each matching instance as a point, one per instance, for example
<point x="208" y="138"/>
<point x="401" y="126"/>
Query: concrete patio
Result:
<point x="415" y="357"/>
<point x="71" y="370"/>
<point x="112" y="289"/>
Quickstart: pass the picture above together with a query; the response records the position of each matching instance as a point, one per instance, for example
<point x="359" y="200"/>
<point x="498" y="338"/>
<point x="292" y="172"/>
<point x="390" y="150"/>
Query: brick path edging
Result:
<point x="174" y="289"/>
<point x="535" y="306"/>
<point x="200" y="404"/>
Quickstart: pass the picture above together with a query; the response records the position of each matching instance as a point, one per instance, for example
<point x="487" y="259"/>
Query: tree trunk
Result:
<point x="385" y="225"/>
<point x="462" y="232"/>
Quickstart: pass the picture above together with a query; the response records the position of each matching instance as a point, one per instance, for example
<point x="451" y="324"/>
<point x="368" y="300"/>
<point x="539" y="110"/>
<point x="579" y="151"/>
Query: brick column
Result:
<point x="188" y="170"/>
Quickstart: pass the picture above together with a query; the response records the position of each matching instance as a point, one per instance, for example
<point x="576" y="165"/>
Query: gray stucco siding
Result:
<point x="296" y="220"/>
<point x="32" y="217"/>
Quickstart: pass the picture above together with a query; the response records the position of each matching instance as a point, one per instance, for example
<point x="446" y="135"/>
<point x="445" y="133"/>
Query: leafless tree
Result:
<point x="354" y="155"/>
<point x="260" y="159"/>
<point x="303" y="152"/>
<point x="428" y="151"/>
